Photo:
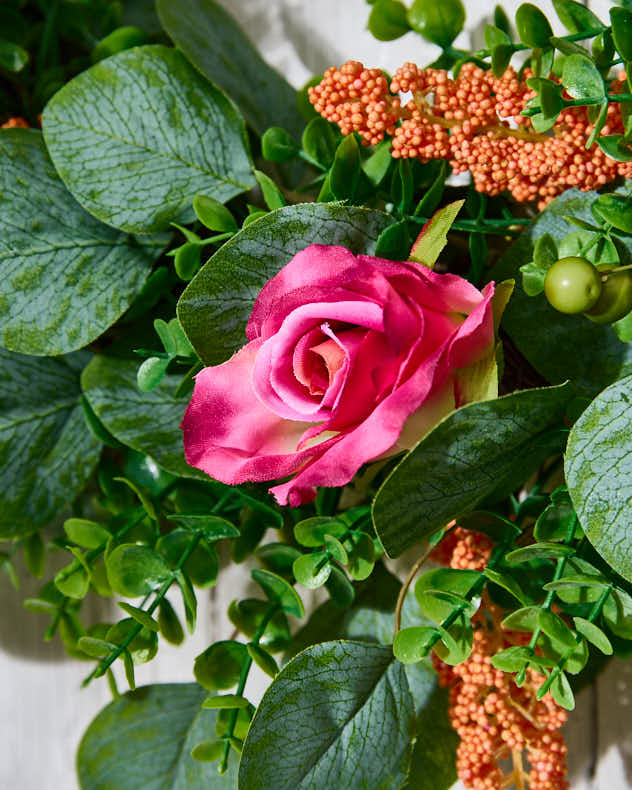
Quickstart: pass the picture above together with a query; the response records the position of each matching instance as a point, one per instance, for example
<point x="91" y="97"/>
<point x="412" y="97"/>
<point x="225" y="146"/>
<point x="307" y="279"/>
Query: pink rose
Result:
<point x="349" y="359"/>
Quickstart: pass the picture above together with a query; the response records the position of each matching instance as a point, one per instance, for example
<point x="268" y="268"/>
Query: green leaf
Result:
<point x="593" y="634"/>
<point x="480" y="449"/>
<point x="498" y="528"/>
<point x="387" y="20"/>
<point x="456" y="642"/>
<point x="272" y="195"/>
<point x="599" y="443"/>
<point x="86" y="533"/>
<point x="219" y="666"/>
<point x="494" y="37"/>
<point x="433" y="236"/>
<point x="202" y="565"/>
<point x="278" y="590"/>
<point x="340" y="685"/>
<point x="212" y="527"/>
<point x="135" y="570"/>
<point x="140" y="615"/>
<point x="12" y="56"/>
<point x="501" y="56"/>
<point x="361" y="555"/>
<point x="216" y="305"/>
<point x="279" y="146"/>
<point x="562" y="693"/>
<point x="312" y="570"/>
<point x="336" y="550"/>
<point x="345" y="171"/>
<point x="119" y="40"/>
<point x="340" y="589"/>
<point x="139" y="170"/>
<point x="410" y="644"/>
<point x="576" y="17"/>
<point x="73" y="581"/>
<point x="512" y="659"/>
<point x="527" y="320"/>
<point x="553" y="626"/>
<point x="213" y="214"/>
<point x="95" y="648"/>
<point x="576" y="580"/>
<point x="187" y="262"/>
<point x="617" y="613"/>
<point x="213" y="41"/>
<point x="146" y="753"/>
<point x="452" y="581"/>
<point x="533" y="27"/>
<point x="554" y="522"/>
<point x="614" y="146"/>
<point x="35" y="554"/>
<point x="440" y="23"/>
<point x="208" y="751"/>
<point x="151" y="372"/>
<point x="143" y="646"/>
<point x="170" y="626"/>
<point x="539" y="551"/>
<point x="615" y="209"/>
<point x="582" y="79"/>
<point x="278" y="557"/>
<point x="225" y="702"/>
<point x="49" y="244"/>
<point x="320" y="141"/>
<point x="377" y="165"/>
<point x="525" y="619"/>
<point x="263" y="660"/>
<point x="248" y="614"/>
<point x="311" y="532"/>
<point x="506" y="582"/>
<point x="145" y="421"/>
<point x="46" y="454"/>
<point x="621" y="21"/>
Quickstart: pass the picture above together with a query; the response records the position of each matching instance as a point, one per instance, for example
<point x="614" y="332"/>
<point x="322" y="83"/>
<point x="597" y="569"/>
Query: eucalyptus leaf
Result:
<point x="50" y="245"/>
<point x="216" y="305"/>
<point x="477" y="450"/>
<point x="340" y="685"/>
<point x="47" y="454"/>
<point x="145" y="421"/>
<point x="135" y="570"/>
<point x="600" y="442"/>
<point x="130" y="139"/>
<point x="213" y="41"/>
<point x="145" y="753"/>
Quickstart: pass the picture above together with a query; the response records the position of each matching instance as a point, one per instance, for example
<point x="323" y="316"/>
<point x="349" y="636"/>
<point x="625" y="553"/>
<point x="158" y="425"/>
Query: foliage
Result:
<point x="167" y="188"/>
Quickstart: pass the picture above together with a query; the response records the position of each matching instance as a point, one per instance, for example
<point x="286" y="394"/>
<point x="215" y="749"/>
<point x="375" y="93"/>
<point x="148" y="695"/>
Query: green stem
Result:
<point x="594" y="614"/>
<point x="104" y="665"/>
<point x="243" y="679"/>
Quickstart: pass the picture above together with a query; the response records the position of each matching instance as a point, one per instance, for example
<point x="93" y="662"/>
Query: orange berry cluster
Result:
<point x="496" y="721"/>
<point x="474" y="122"/>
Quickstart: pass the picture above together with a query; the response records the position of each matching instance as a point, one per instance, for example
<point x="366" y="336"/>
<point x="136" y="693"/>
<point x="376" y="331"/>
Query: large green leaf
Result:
<point x="216" y="305"/>
<point x="599" y="474"/>
<point x="215" y="44"/>
<point x="371" y="619"/>
<point x="138" y="135"/>
<point x="145" y="421"/>
<point x="143" y="740"/>
<point x="339" y="715"/>
<point x="561" y="346"/>
<point x="479" y="450"/>
<point x="47" y="452"/>
<point x="64" y="276"/>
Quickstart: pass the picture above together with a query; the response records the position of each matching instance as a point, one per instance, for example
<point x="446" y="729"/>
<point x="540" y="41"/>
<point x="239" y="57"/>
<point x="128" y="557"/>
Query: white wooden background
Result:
<point x="44" y="712"/>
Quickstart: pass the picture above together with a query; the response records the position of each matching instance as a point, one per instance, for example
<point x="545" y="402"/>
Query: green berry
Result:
<point x="572" y="285"/>
<point x="616" y="297"/>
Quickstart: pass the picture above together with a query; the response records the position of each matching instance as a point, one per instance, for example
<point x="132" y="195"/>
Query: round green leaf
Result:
<point x="119" y="40"/>
<point x="513" y="659"/>
<point x="440" y="23"/>
<point x="140" y="615"/>
<point x="340" y="686"/>
<point x="145" y="753"/>
<point x="278" y="557"/>
<point x="86" y="533"/>
<point x="73" y="581"/>
<point x="449" y="580"/>
<point x="593" y="634"/>
<point x="247" y="615"/>
<point x="225" y="701"/>
<point x="129" y="137"/>
<point x="49" y="244"/>
<point x="581" y="78"/>
<point x="456" y="642"/>
<point x="615" y="209"/>
<point x="553" y="625"/>
<point x="320" y="141"/>
<point x="280" y="591"/>
<point x="135" y="570"/>
<point x="212" y="527"/>
<point x="533" y="27"/>
<point x="340" y="588"/>
<point x="215" y="307"/>
<point x="208" y="751"/>
<point x="410" y="644"/>
<point x="213" y="214"/>
<point x="387" y="20"/>
<point x="312" y="570"/>
<point x="187" y="261"/>
<point x="143" y="646"/>
<point x="202" y="565"/>
<point x="311" y="532"/>
<point x="219" y="666"/>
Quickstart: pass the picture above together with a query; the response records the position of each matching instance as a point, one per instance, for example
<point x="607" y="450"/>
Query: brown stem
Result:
<point x="409" y="580"/>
